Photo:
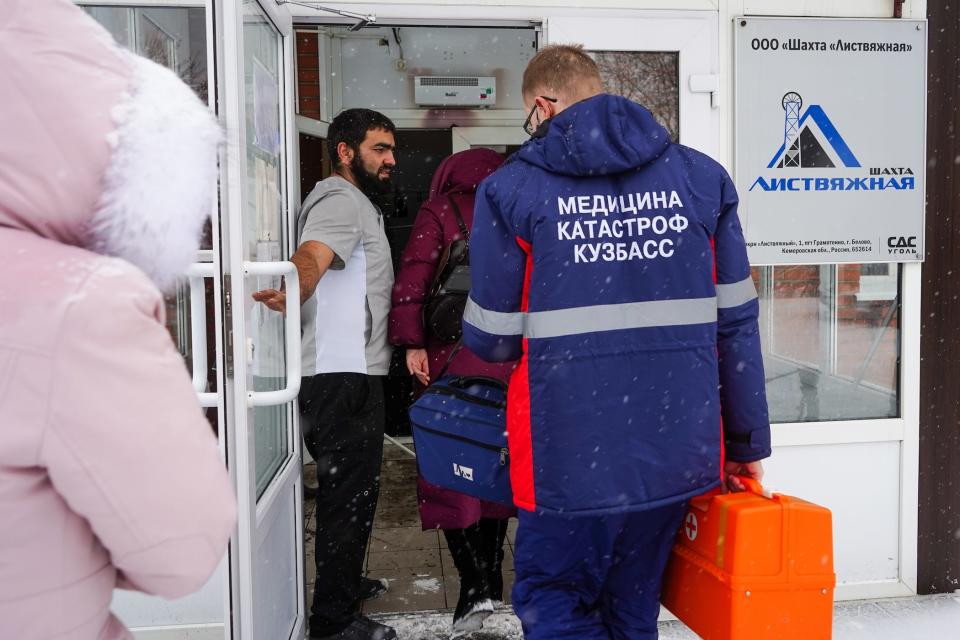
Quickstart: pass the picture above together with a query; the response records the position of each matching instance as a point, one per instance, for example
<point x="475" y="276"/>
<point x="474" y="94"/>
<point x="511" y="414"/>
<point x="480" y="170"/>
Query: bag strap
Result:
<point x="453" y="354"/>
<point x="462" y="382"/>
<point x="463" y="225"/>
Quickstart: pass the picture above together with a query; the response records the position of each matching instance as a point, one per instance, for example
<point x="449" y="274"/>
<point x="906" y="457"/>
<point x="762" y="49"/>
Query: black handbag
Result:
<point x="447" y="297"/>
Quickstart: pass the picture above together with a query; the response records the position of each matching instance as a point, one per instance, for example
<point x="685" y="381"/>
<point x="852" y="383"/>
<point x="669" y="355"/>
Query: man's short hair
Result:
<point x="565" y="69"/>
<point x="351" y="127"/>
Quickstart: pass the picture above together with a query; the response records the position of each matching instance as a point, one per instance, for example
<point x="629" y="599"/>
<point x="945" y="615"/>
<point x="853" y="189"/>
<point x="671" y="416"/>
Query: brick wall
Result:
<point x="308" y="75"/>
<point x="848" y="285"/>
<point x="803" y="281"/>
<point x="799" y="281"/>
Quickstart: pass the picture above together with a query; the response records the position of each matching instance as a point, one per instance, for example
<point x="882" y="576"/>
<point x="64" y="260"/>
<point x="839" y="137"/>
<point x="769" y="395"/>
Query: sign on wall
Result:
<point x="830" y="139"/>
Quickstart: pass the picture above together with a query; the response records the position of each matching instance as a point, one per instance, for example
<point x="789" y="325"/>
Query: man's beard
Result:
<point x="370" y="183"/>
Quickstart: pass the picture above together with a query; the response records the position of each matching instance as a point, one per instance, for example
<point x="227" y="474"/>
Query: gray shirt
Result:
<point x="345" y="321"/>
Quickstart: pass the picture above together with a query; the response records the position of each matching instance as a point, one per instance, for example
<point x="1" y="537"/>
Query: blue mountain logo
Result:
<point x="810" y="139"/>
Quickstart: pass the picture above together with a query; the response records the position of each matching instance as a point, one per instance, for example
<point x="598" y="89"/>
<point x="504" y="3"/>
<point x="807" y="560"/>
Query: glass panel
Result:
<point x="179" y="311"/>
<point x="117" y="20"/>
<point x="868" y="335"/>
<point x="831" y="340"/>
<point x="175" y="37"/>
<point x="648" y="77"/>
<point x="264" y="233"/>
<point x="157" y="43"/>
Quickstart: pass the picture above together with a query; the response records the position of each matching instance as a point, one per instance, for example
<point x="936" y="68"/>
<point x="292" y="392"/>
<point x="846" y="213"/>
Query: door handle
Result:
<point x="198" y="330"/>
<point x="707" y="83"/>
<point x="291" y="332"/>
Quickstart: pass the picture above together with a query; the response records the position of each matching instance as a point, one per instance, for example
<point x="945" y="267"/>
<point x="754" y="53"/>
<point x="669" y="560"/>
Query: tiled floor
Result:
<point x="416" y="563"/>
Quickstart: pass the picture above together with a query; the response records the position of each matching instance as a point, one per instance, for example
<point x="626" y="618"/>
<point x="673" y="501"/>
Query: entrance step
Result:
<point x="502" y="625"/>
<point x="435" y="625"/>
<point x="919" y="617"/>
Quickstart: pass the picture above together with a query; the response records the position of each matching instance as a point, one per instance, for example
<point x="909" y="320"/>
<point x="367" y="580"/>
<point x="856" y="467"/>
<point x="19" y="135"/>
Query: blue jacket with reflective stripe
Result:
<point x="612" y="260"/>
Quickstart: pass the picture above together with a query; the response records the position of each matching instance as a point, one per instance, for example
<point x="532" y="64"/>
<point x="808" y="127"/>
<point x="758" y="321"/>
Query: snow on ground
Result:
<point x="435" y="625"/>
<point x="922" y="618"/>
<point x="424" y="585"/>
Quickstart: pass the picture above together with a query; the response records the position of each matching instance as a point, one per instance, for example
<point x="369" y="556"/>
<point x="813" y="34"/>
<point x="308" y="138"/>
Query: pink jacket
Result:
<point x="109" y="473"/>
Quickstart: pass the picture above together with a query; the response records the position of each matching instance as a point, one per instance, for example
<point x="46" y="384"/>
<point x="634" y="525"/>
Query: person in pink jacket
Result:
<point x="474" y="529"/>
<point x="110" y="475"/>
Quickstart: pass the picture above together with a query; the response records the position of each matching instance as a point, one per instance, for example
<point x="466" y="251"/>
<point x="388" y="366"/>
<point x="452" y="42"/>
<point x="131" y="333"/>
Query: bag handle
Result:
<point x="460" y="223"/>
<point x="462" y="382"/>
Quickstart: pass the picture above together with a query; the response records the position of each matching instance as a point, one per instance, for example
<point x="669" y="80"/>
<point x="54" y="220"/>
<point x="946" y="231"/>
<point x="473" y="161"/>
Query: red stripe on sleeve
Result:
<point x="713" y="250"/>
<point x="723" y="446"/>
<point x="525" y="296"/>
<point x="519" y="436"/>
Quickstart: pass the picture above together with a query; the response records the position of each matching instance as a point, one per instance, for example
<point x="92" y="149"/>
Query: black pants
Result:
<point x="343" y="419"/>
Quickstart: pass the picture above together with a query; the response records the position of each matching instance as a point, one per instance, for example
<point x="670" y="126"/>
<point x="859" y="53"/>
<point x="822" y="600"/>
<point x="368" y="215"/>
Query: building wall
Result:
<point x="939" y="541"/>
<point x="938" y="409"/>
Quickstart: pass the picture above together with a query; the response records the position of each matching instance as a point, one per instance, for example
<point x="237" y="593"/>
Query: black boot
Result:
<point x="360" y="628"/>
<point x="371" y="588"/>
<point x="474" y="604"/>
<point x="492" y="534"/>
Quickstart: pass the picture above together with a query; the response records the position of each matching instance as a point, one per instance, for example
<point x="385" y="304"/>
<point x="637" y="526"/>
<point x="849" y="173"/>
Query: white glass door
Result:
<point x="179" y="36"/>
<point x="263" y="347"/>
<point x="667" y="62"/>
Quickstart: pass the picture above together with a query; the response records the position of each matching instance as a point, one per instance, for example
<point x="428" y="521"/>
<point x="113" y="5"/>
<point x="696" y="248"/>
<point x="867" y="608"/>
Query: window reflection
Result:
<point x="831" y="340"/>
<point x="175" y="37"/>
<point x="647" y="77"/>
<point x="265" y="233"/>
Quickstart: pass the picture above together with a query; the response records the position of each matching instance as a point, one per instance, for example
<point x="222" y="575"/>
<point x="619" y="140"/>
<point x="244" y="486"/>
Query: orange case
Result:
<point x="751" y="565"/>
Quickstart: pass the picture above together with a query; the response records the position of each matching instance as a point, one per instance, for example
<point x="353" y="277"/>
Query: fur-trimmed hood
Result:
<point x="102" y="149"/>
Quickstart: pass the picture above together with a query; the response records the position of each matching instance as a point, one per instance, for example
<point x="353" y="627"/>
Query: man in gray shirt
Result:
<point x="346" y="274"/>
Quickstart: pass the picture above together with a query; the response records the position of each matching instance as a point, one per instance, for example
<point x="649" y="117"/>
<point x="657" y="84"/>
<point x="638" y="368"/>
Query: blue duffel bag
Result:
<point x="459" y="430"/>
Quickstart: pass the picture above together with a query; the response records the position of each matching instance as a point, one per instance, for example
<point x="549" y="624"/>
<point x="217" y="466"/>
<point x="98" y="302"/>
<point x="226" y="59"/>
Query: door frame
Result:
<point x="903" y="430"/>
<point x="256" y="515"/>
<point x="464" y="138"/>
<point x="692" y="34"/>
<point x="207" y="265"/>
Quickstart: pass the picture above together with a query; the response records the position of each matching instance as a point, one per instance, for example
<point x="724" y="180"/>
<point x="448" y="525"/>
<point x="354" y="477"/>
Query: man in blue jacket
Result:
<point x="610" y="260"/>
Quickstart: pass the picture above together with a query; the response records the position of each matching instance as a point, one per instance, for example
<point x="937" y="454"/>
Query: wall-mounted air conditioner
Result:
<point x="455" y="91"/>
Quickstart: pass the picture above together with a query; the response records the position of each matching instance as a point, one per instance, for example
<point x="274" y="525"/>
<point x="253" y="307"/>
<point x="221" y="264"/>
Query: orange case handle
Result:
<point x="753" y="486"/>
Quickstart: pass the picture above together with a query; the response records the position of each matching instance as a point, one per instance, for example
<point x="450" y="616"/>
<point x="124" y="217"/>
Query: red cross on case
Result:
<point x="690" y="526"/>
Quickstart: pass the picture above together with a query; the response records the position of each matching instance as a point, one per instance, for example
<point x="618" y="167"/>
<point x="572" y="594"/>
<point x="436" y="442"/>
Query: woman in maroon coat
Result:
<point x="474" y="529"/>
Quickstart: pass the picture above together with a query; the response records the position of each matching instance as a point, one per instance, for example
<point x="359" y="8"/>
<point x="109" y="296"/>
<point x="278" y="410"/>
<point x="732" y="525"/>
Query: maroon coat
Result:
<point x="436" y="227"/>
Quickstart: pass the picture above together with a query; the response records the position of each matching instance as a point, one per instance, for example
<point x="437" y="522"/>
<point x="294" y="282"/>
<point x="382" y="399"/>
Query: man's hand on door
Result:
<point x="273" y="299"/>
<point x="312" y="260"/>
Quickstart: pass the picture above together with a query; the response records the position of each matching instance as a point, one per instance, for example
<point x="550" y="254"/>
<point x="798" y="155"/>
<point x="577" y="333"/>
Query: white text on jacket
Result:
<point x="642" y="236"/>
